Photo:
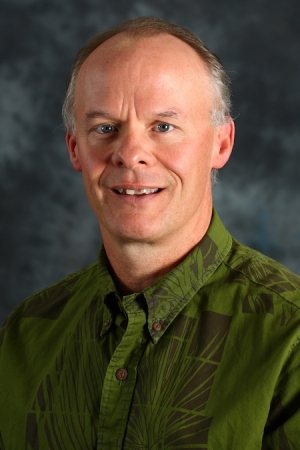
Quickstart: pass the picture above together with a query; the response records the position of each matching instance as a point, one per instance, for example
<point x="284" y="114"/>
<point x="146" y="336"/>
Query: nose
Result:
<point x="132" y="149"/>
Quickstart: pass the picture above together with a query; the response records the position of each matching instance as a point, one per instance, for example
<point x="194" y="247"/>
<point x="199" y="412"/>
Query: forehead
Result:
<point x="126" y="46"/>
<point x="157" y="64"/>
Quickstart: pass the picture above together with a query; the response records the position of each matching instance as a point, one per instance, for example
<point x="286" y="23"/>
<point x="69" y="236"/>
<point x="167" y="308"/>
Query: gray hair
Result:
<point x="146" y="27"/>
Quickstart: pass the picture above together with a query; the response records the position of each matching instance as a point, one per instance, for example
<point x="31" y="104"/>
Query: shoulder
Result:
<point x="250" y="267"/>
<point x="50" y="302"/>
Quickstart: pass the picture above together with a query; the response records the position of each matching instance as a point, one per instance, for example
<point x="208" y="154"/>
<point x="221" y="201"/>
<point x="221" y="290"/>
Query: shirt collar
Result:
<point x="170" y="294"/>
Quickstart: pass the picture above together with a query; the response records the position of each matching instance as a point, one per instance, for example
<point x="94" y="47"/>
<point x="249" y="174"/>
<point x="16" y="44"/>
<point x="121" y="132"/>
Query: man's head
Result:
<point x="146" y="27"/>
<point x="144" y="139"/>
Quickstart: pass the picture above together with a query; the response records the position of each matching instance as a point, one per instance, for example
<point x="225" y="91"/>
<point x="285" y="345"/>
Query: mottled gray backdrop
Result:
<point x="47" y="228"/>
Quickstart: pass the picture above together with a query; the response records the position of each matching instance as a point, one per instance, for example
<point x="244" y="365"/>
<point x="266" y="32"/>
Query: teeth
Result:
<point x="137" y="191"/>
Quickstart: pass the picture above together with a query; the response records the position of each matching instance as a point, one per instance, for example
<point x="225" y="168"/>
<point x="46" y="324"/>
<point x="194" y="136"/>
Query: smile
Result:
<point x="137" y="191"/>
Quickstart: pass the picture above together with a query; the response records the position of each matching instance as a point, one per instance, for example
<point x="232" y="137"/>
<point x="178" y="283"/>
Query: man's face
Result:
<point x="144" y="140"/>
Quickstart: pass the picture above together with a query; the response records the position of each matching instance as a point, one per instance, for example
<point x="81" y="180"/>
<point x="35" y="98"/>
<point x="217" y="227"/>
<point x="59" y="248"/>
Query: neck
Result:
<point x="137" y="265"/>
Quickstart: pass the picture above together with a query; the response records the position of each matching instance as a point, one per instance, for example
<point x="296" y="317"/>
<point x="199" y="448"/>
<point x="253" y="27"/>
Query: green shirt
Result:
<point x="206" y="358"/>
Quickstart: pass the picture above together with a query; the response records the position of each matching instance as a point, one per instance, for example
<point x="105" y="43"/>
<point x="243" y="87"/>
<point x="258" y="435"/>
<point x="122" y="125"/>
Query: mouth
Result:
<point x="137" y="191"/>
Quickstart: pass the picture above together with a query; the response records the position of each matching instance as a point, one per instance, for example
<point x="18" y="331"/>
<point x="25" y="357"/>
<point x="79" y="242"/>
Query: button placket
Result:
<point x="120" y="379"/>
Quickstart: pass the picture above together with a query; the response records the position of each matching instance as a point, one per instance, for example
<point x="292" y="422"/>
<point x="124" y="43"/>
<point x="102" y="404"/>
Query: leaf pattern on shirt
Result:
<point x="169" y="403"/>
<point x="258" y="303"/>
<point x="171" y="293"/>
<point x="50" y="306"/>
<point x="251" y="267"/>
<point x="55" y="406"/>
<point x="262" y="270"/>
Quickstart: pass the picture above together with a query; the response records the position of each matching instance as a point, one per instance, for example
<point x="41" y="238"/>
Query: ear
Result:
<point x="73" y="151"/>
<point x="224" y="144"/>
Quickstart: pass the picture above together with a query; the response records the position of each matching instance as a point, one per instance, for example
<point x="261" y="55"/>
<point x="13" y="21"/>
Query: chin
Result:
<point x="134" y="233"/>
<point x="141" y="236"/>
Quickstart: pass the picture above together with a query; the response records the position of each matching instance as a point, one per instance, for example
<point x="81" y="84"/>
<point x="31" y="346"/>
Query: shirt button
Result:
<point x="107" y="323"/>
<point x="121" y="374"/>
<point x="156" y="326"/>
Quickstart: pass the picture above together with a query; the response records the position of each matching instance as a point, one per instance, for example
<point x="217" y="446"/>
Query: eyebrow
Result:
<point x="106" y="114"/>
<point x="169" y="113"/>
<point x="98" y="113"/>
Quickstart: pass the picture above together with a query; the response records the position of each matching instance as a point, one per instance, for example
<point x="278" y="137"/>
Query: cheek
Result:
<point x="92" y="162"/>
<point x="191" y="162"/>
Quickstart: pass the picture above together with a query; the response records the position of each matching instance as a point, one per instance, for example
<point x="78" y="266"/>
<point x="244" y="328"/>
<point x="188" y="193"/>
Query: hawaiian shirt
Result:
<point x="208" y="357"/>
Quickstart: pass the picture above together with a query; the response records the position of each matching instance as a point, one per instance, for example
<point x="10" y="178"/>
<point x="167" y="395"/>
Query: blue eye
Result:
<point x="164" y="127"/>
<point x="106" y="128"/>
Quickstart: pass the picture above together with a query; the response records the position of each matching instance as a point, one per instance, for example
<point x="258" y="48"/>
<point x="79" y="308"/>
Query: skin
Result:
<point x="142" y="114"/>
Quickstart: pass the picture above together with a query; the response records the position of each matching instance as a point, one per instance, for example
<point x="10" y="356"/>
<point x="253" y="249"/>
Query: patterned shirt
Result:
<point x="206" y="358"/>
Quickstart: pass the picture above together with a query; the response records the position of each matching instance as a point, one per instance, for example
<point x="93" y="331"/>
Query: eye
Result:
<point x="106" y="128"/>
<point x="164" y="127"/>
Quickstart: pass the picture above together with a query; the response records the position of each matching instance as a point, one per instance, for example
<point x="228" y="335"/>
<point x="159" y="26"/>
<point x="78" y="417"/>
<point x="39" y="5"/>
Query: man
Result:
<point x="178" y="337"/>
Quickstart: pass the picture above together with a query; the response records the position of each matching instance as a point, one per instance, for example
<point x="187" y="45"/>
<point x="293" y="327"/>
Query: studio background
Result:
<point x="47" y="227"/>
